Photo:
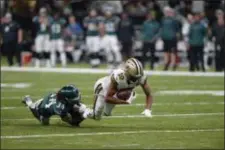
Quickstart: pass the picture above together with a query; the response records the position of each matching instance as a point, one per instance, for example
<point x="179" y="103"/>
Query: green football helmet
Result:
<point x="69" y="94"/>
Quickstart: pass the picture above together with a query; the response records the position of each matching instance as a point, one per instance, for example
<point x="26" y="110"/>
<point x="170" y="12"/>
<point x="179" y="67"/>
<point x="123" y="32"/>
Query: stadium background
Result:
<point x="188" y="108"/>
<point x="24" y="11"/>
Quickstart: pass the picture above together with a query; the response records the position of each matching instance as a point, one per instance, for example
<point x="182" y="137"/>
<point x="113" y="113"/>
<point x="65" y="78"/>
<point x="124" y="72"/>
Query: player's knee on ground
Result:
<point x="98" y="115"/>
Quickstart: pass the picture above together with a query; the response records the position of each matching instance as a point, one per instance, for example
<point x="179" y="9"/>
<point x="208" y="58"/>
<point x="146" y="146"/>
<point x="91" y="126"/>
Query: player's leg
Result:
<point x="38" y="50"/>
<point x="167" y="53"/>
<point x="99" y="100"/>
<point x="201" y="57"/>
<point x="60" y="45"/>
<point x="116" y="49"/>
<point x="53" y="52"/>
<point x="104" y="43"/>
<point x="33" y="106"/>
<point x="47" y="51"/>
<point x="152" y="51"/>
<point x="108" y="109"/>
<point x="174" y="54"/>
<point x="36" y="109"/>
<point x="95" y="51"/>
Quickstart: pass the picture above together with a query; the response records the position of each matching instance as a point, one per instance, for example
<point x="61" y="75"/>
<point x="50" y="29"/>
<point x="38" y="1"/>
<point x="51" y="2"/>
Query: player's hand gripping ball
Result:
<point x="124" y="94"/>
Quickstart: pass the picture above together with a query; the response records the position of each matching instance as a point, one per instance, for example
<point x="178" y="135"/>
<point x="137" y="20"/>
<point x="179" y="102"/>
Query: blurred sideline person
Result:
<point x="150" y="32"/>
<point x="169" y="32"/>
<point x="42" y="42"/>
<point x="111" y="26"/>
<point x="12" y="37"/>
<point x="56" y="40"/>
<point x="71" y="35"/>
<point x="185" y="33"/>
<point x="126" y="78"/>
<point x="218" y="33"/>
<point x="66" y="103"/>
<point x="91" y="23"/>
<point x="125" y="36"/>
<point x="104" y="44"/>
<point x="197" y="34"/>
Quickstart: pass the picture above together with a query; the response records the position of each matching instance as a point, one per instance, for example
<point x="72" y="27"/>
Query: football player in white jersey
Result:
<point x="106" y="89"/>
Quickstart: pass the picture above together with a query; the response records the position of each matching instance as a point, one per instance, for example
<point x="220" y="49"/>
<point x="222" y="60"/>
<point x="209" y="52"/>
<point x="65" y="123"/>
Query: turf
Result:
<point x="180" y="121"/>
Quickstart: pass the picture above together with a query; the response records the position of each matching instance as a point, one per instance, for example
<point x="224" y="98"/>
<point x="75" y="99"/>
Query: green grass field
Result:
<point x="179" y="120"/>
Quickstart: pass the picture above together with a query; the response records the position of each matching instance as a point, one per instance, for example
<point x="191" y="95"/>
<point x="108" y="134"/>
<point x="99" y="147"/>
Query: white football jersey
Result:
<point x="121" y="80"/>
<point x="123" y="83"/>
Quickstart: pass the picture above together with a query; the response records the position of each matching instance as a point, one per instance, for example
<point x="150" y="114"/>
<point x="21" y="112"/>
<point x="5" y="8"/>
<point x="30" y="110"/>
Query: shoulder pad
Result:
<point x="119" y="75"/>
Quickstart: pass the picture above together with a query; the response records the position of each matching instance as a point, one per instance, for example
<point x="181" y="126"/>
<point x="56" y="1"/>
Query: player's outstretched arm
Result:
<point x="149" y="100"/>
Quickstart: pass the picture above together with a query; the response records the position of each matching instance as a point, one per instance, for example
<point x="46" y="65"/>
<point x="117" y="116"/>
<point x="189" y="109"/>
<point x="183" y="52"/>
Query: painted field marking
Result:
<point x="157" y="93"/>
<point x="107" y="71"/>
<point x="130" y="116"/>
<point x="16" y="85"/>
<point x="192" y="92"/>
<point x="123" y="145"/>
<point x="108" y="133"/>
<point x="138" y="105"/>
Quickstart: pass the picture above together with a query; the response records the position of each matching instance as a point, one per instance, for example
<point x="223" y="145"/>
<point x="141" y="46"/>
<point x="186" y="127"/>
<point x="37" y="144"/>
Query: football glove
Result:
<point x="147" y="113"/>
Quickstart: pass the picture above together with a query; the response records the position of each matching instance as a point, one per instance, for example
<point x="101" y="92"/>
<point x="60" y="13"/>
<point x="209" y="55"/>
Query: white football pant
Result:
<point x="114" y="47"/>
<point x="92" y="43"/>
<point x="58" y="45"/>
<point x="100" y="106"/>
<point x="42" y="44"/>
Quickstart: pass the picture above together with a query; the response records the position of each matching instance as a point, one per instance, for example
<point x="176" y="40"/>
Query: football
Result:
<point x="124" y="94"/>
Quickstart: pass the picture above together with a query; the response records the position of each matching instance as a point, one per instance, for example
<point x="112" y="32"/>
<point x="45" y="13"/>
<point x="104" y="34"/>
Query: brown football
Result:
<point x="124" y="94"/>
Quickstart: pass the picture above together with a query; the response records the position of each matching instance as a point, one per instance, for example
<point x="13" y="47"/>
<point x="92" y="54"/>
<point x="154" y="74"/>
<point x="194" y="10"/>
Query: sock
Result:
<point x="63" y="58"/>
<point x="53" y="58"/>
<point x="29" y="103"/>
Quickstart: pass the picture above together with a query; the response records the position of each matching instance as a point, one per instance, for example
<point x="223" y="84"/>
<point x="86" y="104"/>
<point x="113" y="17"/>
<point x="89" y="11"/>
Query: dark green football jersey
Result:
<point x="111" y="25"/>
<point x="92" y="25"/>
<point x="169" y="28"/>
<point x="42" y="28"/>
<point x="56" y="29"/>
<point x="50" y="106"/>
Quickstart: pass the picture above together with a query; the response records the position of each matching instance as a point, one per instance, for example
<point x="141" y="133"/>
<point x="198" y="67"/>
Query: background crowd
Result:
<point x="171" y="32"/>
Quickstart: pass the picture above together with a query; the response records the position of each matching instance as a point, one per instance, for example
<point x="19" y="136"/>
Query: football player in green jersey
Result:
<point x="57" y="43"/>
<point x="65" y="103"/>
<point x="91" y="23"/>
<point x="42" y="43"/>
<point x="111" y="23"/>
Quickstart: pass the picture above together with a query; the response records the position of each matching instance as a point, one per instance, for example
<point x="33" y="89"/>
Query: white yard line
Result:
<point x="131" y="116"/>
<point x="123" y="145"/>
<point x="192" y="92"/>
<point x="107" y="71"/>
<point x="140" y="104"/>
<point x="109" y="133"/>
